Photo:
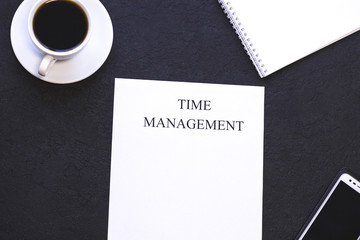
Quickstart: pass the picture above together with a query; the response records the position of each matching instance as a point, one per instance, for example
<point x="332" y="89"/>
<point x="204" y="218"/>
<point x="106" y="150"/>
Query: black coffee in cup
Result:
<point x="60" y="25"/>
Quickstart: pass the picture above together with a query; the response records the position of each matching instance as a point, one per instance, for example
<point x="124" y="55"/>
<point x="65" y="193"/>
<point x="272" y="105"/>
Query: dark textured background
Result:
<point x="55" y="140"/>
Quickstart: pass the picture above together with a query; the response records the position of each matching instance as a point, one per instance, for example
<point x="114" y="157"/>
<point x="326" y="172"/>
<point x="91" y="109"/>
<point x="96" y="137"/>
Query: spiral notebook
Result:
<point x="279" y="32"/>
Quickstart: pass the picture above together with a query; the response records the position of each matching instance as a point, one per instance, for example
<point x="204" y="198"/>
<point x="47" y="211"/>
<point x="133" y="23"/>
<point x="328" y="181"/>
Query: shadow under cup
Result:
<point x="59" y="29"/>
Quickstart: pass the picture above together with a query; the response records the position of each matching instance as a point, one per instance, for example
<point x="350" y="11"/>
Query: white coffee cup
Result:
<point x="52" y="55"/>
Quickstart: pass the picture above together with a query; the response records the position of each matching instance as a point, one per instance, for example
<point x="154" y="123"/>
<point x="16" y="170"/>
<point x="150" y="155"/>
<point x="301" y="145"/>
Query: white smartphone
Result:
<point x="338" y="215"/>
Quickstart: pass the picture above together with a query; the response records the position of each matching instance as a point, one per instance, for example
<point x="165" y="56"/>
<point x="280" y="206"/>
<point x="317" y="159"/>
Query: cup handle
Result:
<point x="46" y="63"/>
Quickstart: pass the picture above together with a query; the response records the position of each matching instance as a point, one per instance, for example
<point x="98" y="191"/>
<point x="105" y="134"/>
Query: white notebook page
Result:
<point x="283" y="31"/>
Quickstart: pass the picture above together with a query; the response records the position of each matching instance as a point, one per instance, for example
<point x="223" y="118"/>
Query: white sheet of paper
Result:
<point x="186" y="182"/>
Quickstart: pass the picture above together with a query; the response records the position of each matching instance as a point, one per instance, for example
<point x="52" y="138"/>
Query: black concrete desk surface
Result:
<point x="55" y="140"/>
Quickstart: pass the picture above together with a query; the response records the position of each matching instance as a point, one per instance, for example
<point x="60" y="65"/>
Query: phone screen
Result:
<point x="339" y="218"/>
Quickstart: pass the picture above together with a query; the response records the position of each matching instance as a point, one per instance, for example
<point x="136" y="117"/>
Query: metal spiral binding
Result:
<point x="243" y="36"/>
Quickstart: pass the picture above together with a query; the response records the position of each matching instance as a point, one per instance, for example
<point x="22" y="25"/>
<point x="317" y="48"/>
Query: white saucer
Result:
<point x="88" y="61"/>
